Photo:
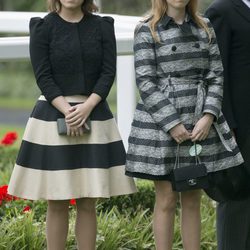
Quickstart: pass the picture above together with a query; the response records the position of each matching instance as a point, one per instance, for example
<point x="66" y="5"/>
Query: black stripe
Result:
<point x="143" y="28"/>
<point x="215" y="57"/>
<point x="148" y="159"/>
<point x="183" y="93"/>
<point x="214" y="95"/>
<point x="146" y="125"/>
<point x="221" y="120"/>
<point x="169" y="143"/>
<point x="169" y="119"/>
<point x="161" y="104"/>
<point x="145" y="62"/>
<point x="211" y="107"/>
<point x="164" y="103"/>
<point x="43" y="110"/>
<point x="213" y="41"/>
<point x="68" y="157"/>
<point x="150" y="125"/>
<point x="182" y="56"/>
<point x="151" y="143"/>
<point x="227" y="136"/>
<point x="143" y="45"/>
<point x="145" y="94"/>
<point x="167" y="177"/>
<point x="181" y="73"/>
<point x="184" y="160"/>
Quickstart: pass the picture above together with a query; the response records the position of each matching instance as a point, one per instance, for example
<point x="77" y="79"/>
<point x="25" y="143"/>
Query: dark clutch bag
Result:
<point x="189" y="178"/>
<point x="62" y="128"/>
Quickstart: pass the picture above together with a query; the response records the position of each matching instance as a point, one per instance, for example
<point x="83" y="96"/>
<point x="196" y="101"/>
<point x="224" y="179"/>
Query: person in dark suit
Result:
<point x="231" y="21"/>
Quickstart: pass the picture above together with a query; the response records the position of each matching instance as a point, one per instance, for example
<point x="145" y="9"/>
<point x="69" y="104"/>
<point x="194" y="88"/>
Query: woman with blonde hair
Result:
<point x="179" y="77"/>
<point x="73" y="54"/>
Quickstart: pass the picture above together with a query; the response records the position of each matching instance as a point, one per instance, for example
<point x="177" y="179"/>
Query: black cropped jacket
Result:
<point x="73" y="58"/>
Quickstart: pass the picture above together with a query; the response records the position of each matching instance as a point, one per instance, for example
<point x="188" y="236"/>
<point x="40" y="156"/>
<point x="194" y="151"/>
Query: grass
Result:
<point x="17" y="103"/>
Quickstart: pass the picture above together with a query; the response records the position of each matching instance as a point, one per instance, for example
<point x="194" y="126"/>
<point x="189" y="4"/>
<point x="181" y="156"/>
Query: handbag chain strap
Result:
<point x="177" y="157"/>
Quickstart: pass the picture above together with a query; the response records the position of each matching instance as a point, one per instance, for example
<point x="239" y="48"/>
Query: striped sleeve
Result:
<point x="214" y="78"/>
<point x="156" y="103"/>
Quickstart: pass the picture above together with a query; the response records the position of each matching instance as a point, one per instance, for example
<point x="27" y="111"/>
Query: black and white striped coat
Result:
<point x="179" y="79"/>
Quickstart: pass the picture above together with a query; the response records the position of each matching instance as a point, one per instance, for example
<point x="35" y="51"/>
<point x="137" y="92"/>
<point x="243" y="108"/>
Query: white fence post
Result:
<point x="126" y="95"/>
<point x="99" y="4"/>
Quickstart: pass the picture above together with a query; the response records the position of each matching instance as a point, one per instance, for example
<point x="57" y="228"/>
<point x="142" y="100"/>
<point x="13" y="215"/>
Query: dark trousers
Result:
<point x="233" y="225"/>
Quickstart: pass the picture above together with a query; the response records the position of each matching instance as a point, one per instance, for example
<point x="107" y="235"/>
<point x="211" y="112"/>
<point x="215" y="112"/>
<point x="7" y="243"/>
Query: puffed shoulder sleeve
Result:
<point x="39" y="55"/>
<point x="108" y="70"/>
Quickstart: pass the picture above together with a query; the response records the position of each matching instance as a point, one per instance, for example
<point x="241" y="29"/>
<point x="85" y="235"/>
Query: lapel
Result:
<point x="242" y="8"/>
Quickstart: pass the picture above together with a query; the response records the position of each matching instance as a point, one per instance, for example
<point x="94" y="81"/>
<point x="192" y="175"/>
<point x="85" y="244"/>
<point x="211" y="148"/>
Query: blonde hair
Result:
<point x="159" y="9"/>
<point x="88" y="6"/>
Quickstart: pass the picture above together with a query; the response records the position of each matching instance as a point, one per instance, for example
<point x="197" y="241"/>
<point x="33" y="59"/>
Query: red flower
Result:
<point x="26" y="209"/>
<point x="4" y="196"/>
<point x="72" y="202"/>
<point x="9" y="138"/>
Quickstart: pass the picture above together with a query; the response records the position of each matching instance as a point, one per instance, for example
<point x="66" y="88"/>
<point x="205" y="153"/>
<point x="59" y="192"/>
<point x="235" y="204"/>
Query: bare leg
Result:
<point x="86" y="224"/>
<point x="191" y="219"/>
<point x="57" y="221"/>
<point x="164" y="212"/>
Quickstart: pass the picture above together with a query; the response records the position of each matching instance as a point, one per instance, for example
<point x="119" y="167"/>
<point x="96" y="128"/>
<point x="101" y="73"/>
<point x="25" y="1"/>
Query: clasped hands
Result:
<point x="75" y="119"/>
<point x="199" y="132"/>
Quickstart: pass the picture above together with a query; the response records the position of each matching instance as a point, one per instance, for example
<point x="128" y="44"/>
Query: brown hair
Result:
<point x="159" y="9"/>
<point x="88" y="6"/>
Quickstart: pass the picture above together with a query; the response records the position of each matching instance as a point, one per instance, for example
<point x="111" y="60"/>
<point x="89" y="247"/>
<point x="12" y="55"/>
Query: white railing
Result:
<point x="15" y="48"/>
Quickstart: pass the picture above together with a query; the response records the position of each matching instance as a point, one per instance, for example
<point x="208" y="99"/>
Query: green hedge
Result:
<point x="142" y="200"/>
<point x="129" y="204"/>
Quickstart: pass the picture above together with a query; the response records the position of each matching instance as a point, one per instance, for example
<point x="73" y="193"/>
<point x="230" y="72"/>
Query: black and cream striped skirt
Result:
<point x="58" y="167"/>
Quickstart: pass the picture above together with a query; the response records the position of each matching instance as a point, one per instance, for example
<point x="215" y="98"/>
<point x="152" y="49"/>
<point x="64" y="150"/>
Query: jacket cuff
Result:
<point x="170" y="125"/>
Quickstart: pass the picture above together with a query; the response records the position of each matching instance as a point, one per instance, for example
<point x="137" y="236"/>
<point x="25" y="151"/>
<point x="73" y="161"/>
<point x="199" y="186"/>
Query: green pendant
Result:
<point x="198" y="149"/>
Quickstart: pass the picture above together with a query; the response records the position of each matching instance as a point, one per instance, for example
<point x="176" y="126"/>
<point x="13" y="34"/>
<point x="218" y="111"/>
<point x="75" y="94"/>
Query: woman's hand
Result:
<point x="78" y="115"/>
<point x="74" y="131"/>
<point x="202" y="128"/>
<point x="179" y="133"/>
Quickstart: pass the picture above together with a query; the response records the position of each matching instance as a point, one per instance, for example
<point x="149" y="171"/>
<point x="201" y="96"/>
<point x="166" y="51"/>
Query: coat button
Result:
<point x="174" y="48"/>
<point x="197" y="45"/>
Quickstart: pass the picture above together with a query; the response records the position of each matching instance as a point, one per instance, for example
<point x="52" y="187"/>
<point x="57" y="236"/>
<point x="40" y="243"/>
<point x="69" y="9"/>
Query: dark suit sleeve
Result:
<point x="108" y="69"/>
<point x="223" y="35"/>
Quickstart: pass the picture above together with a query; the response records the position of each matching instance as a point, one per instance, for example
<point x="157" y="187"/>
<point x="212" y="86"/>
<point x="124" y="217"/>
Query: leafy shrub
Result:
<point x="142" y="200"/>
<point x="21" y="232"/>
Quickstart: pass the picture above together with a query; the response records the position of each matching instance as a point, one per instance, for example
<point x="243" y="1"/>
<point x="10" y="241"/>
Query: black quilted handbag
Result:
<point x="191" y="177"/>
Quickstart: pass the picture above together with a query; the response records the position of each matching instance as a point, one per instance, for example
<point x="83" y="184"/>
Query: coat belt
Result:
<point x="201" y="97"/>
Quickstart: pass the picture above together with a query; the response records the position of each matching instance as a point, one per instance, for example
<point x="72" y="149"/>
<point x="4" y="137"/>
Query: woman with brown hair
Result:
<point x="179" y="77"/>
<point x="73" y="54"/>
